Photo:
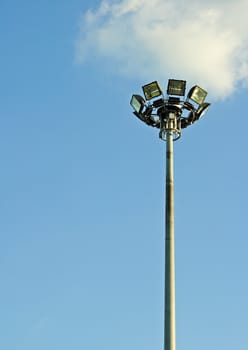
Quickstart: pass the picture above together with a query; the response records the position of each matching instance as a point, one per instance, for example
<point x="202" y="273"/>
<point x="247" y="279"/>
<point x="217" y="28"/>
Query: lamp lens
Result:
<point x="152" y="90"/>
<point x="176" y="87"/>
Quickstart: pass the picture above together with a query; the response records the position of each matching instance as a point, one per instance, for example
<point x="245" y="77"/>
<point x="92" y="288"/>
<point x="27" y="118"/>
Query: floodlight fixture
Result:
<point x="152" y="90"/>
<point x="174" y="101"/>
<point x="176" y="87"/>
<point x="203" y="108"/>
<point x="138" y="103"/>
<point x="158" y="103"/>
<point x="197" y="94"/>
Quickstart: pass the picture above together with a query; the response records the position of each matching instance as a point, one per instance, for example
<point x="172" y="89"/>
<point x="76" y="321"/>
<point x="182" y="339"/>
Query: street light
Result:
<point x="152" y="90"/>
<point x="138" y="103"/>
<point x="176" y="87"/>
<point x="170" y="115"/>
<point x="197" y="94"/>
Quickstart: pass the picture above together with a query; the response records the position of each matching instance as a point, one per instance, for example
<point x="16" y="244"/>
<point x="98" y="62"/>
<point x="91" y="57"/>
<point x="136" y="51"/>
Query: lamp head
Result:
<point x="174" y="101"/>
<point x="176" y="87"/>
<point x="152" y="90"/>
<point x="197" y="94"/>
<point x="203" y="108"/>
<point x="158" y="103"/>
<point x="138" y="103"/>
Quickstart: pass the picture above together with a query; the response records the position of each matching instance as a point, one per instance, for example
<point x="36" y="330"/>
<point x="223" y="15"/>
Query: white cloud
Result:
<point x="203" y="42"/>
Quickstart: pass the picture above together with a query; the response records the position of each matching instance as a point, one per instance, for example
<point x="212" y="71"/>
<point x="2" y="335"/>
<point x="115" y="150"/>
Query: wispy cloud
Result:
<point x="203" y="42"/>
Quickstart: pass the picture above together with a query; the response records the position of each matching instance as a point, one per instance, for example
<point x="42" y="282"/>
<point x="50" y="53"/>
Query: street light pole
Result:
<point x="169" y="292"/>
<point x="170" y="114"/>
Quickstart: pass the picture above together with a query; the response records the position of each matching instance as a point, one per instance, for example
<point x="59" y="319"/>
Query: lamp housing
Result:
<point x="138" y="103"/>
<point x="176" y="87"/>
<point x="203" y="108"/>
<point x="152" y="90"/>
<point x="197" y="94"/>
<point x="174" y="101"/>
<point x="158" y="103"/>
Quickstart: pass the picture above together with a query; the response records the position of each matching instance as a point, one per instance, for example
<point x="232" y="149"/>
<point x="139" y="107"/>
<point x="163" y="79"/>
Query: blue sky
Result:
<point x="82" y="185"/>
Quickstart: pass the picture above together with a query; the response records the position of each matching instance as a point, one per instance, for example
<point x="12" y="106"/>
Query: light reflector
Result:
<point x="152" y="90"/>
<point x="176" y="87"/>
<point x="197" y="94"/>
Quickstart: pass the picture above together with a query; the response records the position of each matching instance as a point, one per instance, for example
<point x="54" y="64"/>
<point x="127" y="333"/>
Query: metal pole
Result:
<point x="169" y="302"/>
